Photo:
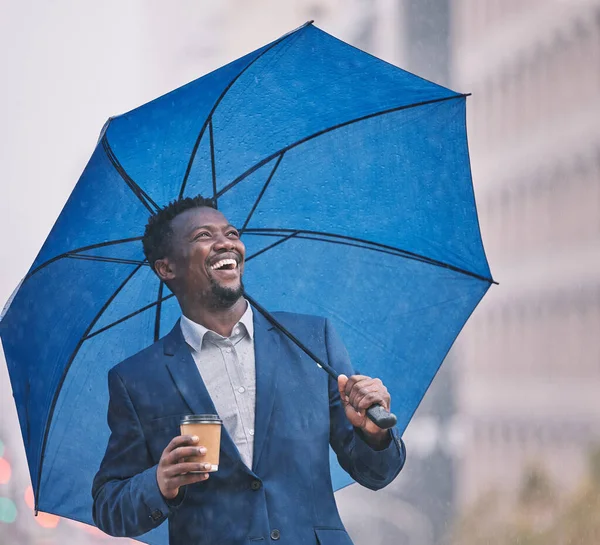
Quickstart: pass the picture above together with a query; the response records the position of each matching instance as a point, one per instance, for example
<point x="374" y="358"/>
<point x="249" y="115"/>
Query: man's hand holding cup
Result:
<point x="174" y="471"/>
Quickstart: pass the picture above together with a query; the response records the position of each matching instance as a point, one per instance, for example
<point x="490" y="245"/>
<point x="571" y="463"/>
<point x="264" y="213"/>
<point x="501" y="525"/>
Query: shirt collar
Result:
<point x="193" y="333"/>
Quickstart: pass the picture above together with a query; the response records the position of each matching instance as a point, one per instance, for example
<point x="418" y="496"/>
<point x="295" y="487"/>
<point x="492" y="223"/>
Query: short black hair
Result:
<point x="158" y="232"/>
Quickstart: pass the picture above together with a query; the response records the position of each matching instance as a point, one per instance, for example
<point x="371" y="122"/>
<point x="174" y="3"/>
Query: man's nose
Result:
<point x="224" y="242"/>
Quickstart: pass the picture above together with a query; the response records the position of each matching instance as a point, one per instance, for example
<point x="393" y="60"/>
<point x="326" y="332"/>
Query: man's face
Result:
<point x="206" y="257"/>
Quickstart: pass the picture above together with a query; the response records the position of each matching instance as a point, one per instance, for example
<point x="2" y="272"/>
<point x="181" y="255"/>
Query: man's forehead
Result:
<point x="198" y="217"/>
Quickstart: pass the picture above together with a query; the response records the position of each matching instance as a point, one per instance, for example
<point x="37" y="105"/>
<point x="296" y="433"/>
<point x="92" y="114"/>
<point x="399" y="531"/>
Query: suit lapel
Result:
<point x="187" y="379"/>
<point x="267" y="362"/>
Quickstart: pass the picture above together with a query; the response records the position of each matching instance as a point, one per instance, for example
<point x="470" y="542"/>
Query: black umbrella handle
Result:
<point x="376" y="413"/>
<point x="381" y="418"/>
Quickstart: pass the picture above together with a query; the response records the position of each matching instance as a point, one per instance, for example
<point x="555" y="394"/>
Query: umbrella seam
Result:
<point x="466" y="143"/>
<point x="403" y="253"/>
<point x="262" y="192"/>
<point x="218" y="101"/>
<point x="128" y="316"/>
<point x="213" y="166"/>
<point x="103" y="259"/>
<point x="82" y="249"/>
<point x="445" y="355"/>
<point x="399" y="253"/>
<point x="62" y="380"/>
<point x="285" y="149"/>
<point x="142" y="196"/>
<point x="282" y="240"/>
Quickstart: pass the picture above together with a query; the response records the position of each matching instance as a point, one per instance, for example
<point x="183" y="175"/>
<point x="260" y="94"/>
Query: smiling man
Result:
<point x="280" y="412"/>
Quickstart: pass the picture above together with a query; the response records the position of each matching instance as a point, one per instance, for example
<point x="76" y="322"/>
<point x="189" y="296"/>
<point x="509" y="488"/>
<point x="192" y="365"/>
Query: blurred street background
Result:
<point x="504" y="449"/>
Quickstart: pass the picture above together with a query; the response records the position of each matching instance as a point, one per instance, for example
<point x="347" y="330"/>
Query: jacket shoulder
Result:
<point x="144" y="358"/>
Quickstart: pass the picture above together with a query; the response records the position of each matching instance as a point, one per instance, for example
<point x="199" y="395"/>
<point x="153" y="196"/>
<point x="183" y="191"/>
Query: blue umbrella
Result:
<point x="350" y="181"/>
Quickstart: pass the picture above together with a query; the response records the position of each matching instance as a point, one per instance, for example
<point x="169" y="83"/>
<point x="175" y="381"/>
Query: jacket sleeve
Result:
<point x="372" y="468"/>
<point x="127" y="500"/>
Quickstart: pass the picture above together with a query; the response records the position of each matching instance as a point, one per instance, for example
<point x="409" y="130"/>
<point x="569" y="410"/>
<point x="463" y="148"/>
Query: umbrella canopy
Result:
<point x="350" y="181"/>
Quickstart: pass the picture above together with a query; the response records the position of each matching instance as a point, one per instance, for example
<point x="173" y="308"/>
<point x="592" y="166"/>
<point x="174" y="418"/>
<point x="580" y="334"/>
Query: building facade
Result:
<point x="529" y="365"/>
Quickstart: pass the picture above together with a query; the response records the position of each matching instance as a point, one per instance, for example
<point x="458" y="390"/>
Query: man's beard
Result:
<point x="223" y="297"/>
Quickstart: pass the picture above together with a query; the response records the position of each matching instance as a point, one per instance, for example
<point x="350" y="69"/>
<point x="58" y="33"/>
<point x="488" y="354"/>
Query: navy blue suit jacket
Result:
<point x="287" y="496"/>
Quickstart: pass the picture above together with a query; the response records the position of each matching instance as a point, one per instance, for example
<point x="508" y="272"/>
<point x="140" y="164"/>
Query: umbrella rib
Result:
<point x="329" y="129"/>
<point x="339" y="242"/>
<point x="158" y="309"/>
<point x="125" y="318"/>
<point x="213" y="166"/>
<point x="346" y="240"/>
<point x="143" y="197"/>
<point x="102" y="259"/>
<point x="262" y="192"/>
<point x="82" y="249"/>
<point x="64" y="376"/>
<point x="218" y="101"/>
<point x="281" y="241"/>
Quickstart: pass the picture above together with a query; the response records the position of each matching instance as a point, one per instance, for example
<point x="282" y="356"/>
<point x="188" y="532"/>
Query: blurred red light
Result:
<point x="29" y="497"/>
<point x="5" y="471"/>
<point x="46" y="520"/>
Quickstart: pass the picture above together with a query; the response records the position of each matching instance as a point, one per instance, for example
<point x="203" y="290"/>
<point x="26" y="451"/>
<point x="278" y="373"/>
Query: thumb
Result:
<point x="342" y="381"/>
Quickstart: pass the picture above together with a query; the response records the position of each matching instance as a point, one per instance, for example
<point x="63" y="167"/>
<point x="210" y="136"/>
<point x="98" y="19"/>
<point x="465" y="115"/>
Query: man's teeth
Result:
<point x="223" y="263"/>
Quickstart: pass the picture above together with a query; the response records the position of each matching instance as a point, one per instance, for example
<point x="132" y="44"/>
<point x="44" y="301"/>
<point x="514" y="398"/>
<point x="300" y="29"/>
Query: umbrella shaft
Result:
<point x="329" y="370"/>
<point x="376" y="413"/>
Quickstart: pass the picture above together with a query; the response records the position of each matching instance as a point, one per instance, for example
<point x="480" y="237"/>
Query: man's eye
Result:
<point x="203" y="234"/>
<point x="233" y="233"/>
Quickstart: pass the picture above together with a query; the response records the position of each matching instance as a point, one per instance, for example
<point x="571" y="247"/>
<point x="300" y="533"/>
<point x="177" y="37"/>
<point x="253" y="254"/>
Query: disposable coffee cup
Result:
<point x="208" y="429"/>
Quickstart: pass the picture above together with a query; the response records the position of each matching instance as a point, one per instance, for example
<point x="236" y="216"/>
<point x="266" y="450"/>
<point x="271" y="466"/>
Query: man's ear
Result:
<point x="164" y="269"/>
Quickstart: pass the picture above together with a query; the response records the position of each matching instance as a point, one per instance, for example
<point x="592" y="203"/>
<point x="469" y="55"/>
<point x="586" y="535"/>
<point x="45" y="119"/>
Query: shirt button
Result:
<point x="241" y="389"/>
<point x="256" y="485"/>
<point x="251" y="432"/>
<point x="275" y="534"/>
<point x="228" y="350"/>
<point x="237" y="330"/>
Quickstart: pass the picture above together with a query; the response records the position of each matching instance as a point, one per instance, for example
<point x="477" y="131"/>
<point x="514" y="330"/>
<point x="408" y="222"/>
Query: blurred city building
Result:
<point x="529" y="365"/>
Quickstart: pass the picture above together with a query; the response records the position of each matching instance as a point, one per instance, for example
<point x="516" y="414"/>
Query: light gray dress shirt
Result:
<point x="226" y="365"/>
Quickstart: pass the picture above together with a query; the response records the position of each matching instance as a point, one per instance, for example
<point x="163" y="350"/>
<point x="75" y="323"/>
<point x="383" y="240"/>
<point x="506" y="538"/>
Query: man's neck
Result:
<point x="219" y="320"/>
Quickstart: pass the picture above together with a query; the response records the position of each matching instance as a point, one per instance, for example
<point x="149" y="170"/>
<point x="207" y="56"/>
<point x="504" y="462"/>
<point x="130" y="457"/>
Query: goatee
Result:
<point x="225" y="297"/>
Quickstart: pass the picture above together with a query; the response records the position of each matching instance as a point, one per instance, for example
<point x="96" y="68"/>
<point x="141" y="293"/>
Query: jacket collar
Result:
<point x="193" y="333"/>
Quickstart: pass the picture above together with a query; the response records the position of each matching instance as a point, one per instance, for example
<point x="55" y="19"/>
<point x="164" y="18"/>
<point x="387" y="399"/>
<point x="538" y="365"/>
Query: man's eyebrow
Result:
<point x="209" y="227"/>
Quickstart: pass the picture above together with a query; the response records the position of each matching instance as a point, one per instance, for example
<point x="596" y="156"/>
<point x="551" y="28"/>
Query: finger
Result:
<point x="352" y="381"/>
<point x="192" y="478"/>
<point x="184" y="452"/>
<point x="188" y="478"/>
<point x="181" y="440"/>
<point x="360" y="389"/>
<point x="184" y="468"/>
<point x="372" y="398"/>
<point x="371" y="394"/>
<point x="360" y="381"/>
<point x="342" y="381"/>
<point x="386" y="400"/>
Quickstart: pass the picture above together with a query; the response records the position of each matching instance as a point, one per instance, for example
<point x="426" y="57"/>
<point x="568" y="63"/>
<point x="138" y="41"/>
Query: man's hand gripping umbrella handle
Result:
<point x="376" y="413"/>
<point x="380" y="417"/>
